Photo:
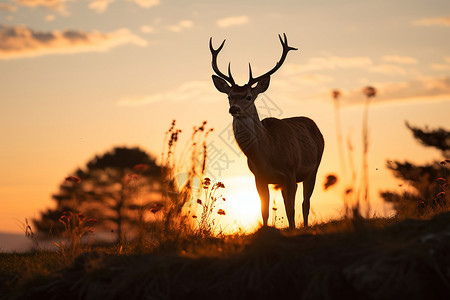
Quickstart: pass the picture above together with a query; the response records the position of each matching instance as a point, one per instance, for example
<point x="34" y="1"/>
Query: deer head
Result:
<point x="242" y="98"/>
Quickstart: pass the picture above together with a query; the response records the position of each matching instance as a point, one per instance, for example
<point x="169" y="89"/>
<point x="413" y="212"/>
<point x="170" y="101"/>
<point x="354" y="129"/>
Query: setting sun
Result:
<point x="243" y="206"/>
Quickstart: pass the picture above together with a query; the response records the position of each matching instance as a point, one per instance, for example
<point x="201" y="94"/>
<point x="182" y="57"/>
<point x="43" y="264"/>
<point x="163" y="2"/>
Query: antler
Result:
<point x="214" y="53"/>
<point x="286" y="49"/>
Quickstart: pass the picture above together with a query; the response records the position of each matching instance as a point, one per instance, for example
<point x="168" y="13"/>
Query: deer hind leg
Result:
<point x="308" y="188"/>
<point x="263" y="191"/>
<point x="288" y="191"/>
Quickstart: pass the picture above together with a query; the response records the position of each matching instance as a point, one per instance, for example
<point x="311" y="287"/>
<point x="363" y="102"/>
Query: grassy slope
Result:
<point x="353" y="259"/>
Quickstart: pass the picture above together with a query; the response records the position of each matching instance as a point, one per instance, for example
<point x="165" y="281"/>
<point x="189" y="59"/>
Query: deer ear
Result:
<point x="220" y="84"/>
<point x="262" y="85"/>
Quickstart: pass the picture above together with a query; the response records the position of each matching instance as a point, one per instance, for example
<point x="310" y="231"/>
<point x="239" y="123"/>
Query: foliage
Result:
<point x="437" y="138"/>
<point x="115" y="188"/>
<point x="428" y="183"/>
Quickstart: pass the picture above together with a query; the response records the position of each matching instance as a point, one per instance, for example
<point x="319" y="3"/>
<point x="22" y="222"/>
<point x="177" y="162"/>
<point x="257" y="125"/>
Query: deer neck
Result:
<point x="249" y="134"/>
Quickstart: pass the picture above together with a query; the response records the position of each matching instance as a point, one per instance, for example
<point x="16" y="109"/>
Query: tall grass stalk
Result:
<point x="181" y="179"/>
<point x="336" y="94"/>
<point x="370" y="92"/>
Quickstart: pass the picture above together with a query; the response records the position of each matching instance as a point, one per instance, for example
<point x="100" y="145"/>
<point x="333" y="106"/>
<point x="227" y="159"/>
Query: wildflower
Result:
<point x="370" y="91"/>
<point x="199" y="201"/>
<point x="194" y="217"/>
<point x="156" y="207"/>
<point x="64" y="220"/>
<point x="445" y="162"/>
<point x="441" y="195"/>
<point x="72" y="179"/>
<point x="223" y="199"/>
<point x="140" y="168"/>
<point x="274" y="208"/>
<point x="330" y="181"/>
<point x="129" y="177"/>
<point x="206" y="183"/>
<point x="441" y="180"/>
<point x="336" y="94"/>
<point x="221" y="212"/>
<point x="81" y="217"/>
<point x="220" y="185"/>
<point x="348" y="191"/>
<point x="67" y="214"/>
<point x="135" y="176"/>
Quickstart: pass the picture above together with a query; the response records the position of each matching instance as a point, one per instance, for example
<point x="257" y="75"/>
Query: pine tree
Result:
<point x="116" y="188"/>
<point x="429" y="183"/>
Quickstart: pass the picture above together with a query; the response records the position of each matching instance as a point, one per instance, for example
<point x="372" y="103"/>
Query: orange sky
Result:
<point x="80" y="77"/>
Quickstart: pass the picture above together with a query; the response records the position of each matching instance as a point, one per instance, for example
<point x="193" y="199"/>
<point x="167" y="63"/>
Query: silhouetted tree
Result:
<point x="429" y="182"/>
<point x="117" y="188"/>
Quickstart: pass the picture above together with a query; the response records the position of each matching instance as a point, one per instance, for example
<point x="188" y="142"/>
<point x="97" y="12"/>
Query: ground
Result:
<point x="349" y="259"/>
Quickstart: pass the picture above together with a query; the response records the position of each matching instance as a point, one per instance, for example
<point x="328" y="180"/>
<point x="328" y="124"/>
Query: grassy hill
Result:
<point x="347" y="259"/>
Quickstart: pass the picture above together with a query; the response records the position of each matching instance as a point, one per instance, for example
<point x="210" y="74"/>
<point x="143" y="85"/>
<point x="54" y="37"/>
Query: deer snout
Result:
<point x="234" y="110"/>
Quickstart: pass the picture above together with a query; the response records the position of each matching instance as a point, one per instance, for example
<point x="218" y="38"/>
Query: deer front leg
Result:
<point x="288" y="191"/>
<point x="263" y="191"/>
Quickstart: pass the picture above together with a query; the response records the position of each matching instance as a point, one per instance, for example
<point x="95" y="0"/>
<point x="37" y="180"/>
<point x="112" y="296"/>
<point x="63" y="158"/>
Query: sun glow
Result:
<point x="243" y="207"/>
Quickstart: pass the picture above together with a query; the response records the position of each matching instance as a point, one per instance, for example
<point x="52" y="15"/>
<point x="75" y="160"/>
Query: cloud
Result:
<point x="8" y="7"/>
<point x="438" y="21"/>
<point x="421" y="89"/>
<point x="100" y="6"/>
<point x="147" y="29"/>
<point x="20" y="41"/>
<point x="57" y="5"/>
<point x="407" y="60"/>
<point x="328" y="63"/>
<point x="180" y="26"/>
<point x="355" y="62"/>
<point x="145" y="3"/>
<point x="187" y="92"/>
<point x="50" y="17"/>
<point x="232" y="21"/>
<point x="440" y="67"/>
<point x="387" y="69"/>
<point x="313" y="79"/>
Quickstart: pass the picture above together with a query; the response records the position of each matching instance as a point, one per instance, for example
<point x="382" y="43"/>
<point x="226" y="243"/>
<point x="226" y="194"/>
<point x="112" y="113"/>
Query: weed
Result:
<point x="207" y="225"/>
<point x="76" y="226"/>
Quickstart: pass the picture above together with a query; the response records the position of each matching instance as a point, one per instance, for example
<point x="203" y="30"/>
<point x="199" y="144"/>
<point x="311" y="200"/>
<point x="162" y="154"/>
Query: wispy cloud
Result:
<point x="8" y="7"/>
<point x="441" y="67"/>
<point x="438" y="21"/>
<point x="313" y="79"/>
<point x="145" y="3"/>
<point x="20" y="41"/>
<point x="188" y="91"/>
<point x="407" y="60"/>
<point x="147" y="29"/>
<point x="328" y="63"/>
<point x="387" y="69"/>
<point x="50" y="17"/>
<point x="232" y="21"/>
<point x="57" y="5"/>
<point x="99" y="6"/>
<point x="421" y="89"/>
<point x="180" y="26"/>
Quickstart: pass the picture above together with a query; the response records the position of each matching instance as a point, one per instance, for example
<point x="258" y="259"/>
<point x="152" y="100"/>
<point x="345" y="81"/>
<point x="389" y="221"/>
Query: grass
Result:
<point x="353" y="258"/>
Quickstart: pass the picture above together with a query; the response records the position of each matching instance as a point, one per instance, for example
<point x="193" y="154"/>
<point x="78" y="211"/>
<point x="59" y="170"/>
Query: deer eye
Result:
<point x="249" y="98"/>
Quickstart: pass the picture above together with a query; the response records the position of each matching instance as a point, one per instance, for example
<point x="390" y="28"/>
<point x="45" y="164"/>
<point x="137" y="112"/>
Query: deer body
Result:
<point x="279" y="151"/>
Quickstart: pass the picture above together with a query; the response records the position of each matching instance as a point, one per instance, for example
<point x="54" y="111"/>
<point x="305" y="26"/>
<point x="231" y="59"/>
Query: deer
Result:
<point x="281" y="152"/>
